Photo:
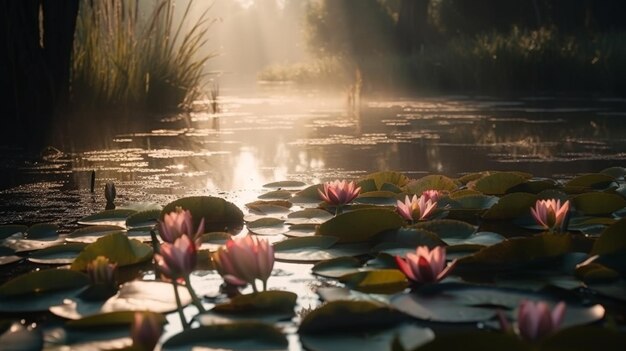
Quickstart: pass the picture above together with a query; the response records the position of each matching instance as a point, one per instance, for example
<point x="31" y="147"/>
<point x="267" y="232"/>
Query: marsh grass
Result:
<point x="127" y="59"/>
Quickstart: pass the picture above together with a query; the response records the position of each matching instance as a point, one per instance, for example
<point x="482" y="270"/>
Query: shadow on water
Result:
<point x="279" y="133"/>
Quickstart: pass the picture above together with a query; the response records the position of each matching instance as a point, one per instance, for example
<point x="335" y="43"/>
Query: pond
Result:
<point x="276" y="134"/>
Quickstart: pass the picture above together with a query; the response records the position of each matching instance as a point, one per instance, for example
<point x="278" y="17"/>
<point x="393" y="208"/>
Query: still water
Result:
<point x="277" y="134"/>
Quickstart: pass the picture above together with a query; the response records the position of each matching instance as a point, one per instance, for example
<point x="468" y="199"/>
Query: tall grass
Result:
<point x="125" y="58"/>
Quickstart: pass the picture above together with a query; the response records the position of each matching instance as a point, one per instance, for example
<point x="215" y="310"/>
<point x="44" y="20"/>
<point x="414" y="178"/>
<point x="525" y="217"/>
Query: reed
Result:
<point x="126" y="59"/>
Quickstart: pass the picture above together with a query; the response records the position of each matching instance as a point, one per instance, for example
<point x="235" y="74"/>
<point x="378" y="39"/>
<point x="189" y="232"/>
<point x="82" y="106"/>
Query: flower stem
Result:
<point x="264" y="285"/>
<point x="254" y="287"/>
<point x="194" y="297"/>
<point x="183" y="321"/>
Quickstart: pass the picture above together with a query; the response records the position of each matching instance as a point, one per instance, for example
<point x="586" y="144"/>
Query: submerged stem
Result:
<point x="194" y="297"/>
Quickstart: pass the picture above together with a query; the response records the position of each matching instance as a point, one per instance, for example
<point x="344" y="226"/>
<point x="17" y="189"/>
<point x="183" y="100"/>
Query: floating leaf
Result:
<point x="596" y="273"/>
<point x="593" y="181"/>
<point x="404" y="237"/>
<point x="213" y="241"/>
<point x="276" y="194"/>
<point x="309" y="216"/>
<point x="43" y="281"/>
<point x="474" y="242"/>
<point x="612" y="240"/>
<point x="20" y="338"/>
<point x="60" y="254"/>
<point x="117" y="248"/>
<point x="41" y="231"/>
<point x="18" y="244"/>
<point x="435" y="309"/>
<point x="476" y="202"/>
<point x="477" y="341"/>
<point x="143" y="219"/>
<point x="10" y="229"/>
<point x="269" y="207"/>
<point x="308" y="195"/>
<point x="235" y="336"/>
<point x="583" y="338"/>
<point x="389" y="177"/>
<point x="431" y="182"/>
<point x="92" y="233"/>
<point x="301" y="230"/>
<point x="511" y="206"/>
<point x="534" y="186"/>
<point x="597" y="204"/>
<point x="381" y="281"/>
<point x="336" y="267"/>
<point x="615" y="172"/>
<point x="360" y="225"/>
<point x="497" y="183"/>
<point x="339" y="316"/>
<point x="218" y="214"/>
<point x="108" y="217"/>
<point x="314" y="249"/>
<point x="377" y="198"/>
<point x="267" y="226"/>
<point x="408" y="337"/>
<point x="285" y="184"/>
<point x="109" y="319"/>
<point x="4" y="260"/>
<point x="267" y="306"/>
<point x="447" y="228"/>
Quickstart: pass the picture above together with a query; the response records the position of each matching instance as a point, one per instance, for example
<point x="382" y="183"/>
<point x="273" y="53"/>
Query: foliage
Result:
<point x="124" y="58"/>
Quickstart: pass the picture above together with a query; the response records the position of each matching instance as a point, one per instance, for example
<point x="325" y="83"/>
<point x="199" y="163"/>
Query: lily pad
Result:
<point x="267" y="226"/>
<point x="380" y="281"/>
<point x="314" y="249"/>
<point x="92" y="233"/>
<point x="103" y="320"/>
<point x="43" y="281"/>
<point x="409" y="238"/>
<point x="301" y="230"/>
<point x="213" y="241"/>
<point x="477" y="341"/>
<point x="408" y="336"/>
<point x="9" y="229"/>
<point x="615" y="172"/>
<point x="429" y="308"/>
<point x="4" y="260"/>
<point x="597" y="204"/>
<point x="337" y="316"/>
<point x="511" y="206"/>
<point x="143" y="219"/>
<point x="20" y="338"/>
<point x="336" y="267"/>
<point x="18" y="244"/>
<point x="218" y="214"/>
<point x="387" y="177"/>
<point x="479" y="239"/>
<point x="291" y="184"/>
<point x="383" y="198"/>
<point x="592" y="181"/>
<point x="276" y="195"/>
<point x="309" y="195"/>
<point x="360" y="225"/>
<point x="108" y="217"/>
<point x="431" y="182"/>
<point x="234" y="336"/>
<point x="117" y="248"/>
<point x="266" y="306"/>
<point x="60" y="254"/>
<point x="612" y="240"/>
<point x="309" y="216"/>
<point x="583" y="338"/>
<point x="476" y="202"/>
<point x="41" y="231"/>
<point x="447" y="228"/>
<point x="497" y="183"/>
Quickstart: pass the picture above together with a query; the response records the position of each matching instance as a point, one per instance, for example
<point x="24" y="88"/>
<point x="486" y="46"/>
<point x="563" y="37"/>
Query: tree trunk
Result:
<point x="413" y="28"/>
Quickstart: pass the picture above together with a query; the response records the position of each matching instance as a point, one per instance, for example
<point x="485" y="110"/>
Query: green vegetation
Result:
<point x="124" y="58"/>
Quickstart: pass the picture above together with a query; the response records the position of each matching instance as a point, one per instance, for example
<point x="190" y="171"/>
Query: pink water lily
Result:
<point x="550" y="214"/>
<point x="244" y="260"/>
<point x="177" y="223"/>
<point x="432" y="195"/>
<point x="177" y="260"/>
<point x="101" y="271"/>
<point x="339" y="193"/>
<point x="425" y="265"/>
<point x="146" y="330"/>
<point x="535" y="320"/>
<point x="415" y="208"/>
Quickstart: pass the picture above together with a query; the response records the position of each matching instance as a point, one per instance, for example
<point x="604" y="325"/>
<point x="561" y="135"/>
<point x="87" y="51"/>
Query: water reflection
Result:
<point x="274" y="135"/>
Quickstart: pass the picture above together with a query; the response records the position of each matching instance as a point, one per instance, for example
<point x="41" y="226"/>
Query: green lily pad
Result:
<point x="43" y="281"/>
<point x="309" y="216"/>
<point x="309" y="195"/>
<point x="612" y="240"/>
<point x="592" y="181"/>
<point x="337" y="316"/>
<point x="234" y="336"/>
<point x="435" y="309"/>
<point x="447" y="228"/>
<point x="360" y="225"/>
<point x="384" y="198"/>
<point x="520" y="252"/>
<point x="409" y="337"/>
<point x="597" y="204"/>
<point x="60" y="254"/>
<point x="596" y="273"/>
<point x="431" y="182"/>
<point x="336" y="267"/>
<point x="213" y="241"/>
<point x="534" y="186"/>
<point x="380" y="281"/>
<point x="276" y="195"/>
<point x="143" y="219"/>
<point x="583" y="338"/>
<point x="476" y="202"/>
<point x="267" y="226"/>
<point x="117" y="248"/>
<point x="5" y="260"/>
<point x="409" y="238"/>
<point x="108" y="217"/>
<point x="10" y="229"/>
<point x="314" y="249"/>
<point x="615" y="172"/>
<point x="389" y="177"/>
<point x="218" y="214"/>
<point x="20" y="338"/>
<point x="136" y="295"/>
<point x="301" y="230"/>
<point x="18" y="244"/>
<point x="92" y="233"/>
<point x="497" y="183"/>
<point x="477" y="341"/>
<point x="474" y="242"/>
<point x="109" y="319"/>
<point x="266" y="306"/>
<point x="511" y="206"/>
<point x="285" y="184"/>
<point x="41" y="231"/>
